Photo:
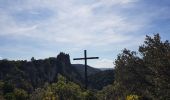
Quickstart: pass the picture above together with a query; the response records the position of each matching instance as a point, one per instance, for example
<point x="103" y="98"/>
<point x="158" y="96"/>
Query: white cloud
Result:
<point x="78" y="20"/>
<point x="114" y="2"/>
<point x="103" y="63"/>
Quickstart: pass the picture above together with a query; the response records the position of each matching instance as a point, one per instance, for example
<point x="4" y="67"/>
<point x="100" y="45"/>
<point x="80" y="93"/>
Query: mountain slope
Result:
<point x="30" y="75"/>
<point x="101" y="79"/>
<point x="81" y="68"/>
<point x="35" y="73"/>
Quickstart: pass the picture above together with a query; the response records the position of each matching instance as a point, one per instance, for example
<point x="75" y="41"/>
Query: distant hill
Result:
<point x="98" y="78"/>
<point x="103" y="69"/>
<point x="101" y="79"/>
<point x="90" y="70"/>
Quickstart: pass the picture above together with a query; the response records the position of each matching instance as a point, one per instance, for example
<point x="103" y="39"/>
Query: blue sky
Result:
<point x="43" y="28"/>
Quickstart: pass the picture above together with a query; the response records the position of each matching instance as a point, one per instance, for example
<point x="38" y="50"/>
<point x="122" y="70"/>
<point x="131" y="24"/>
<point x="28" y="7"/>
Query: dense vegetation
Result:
<point x="141" y="75"/>
<point x="24" y="77"/>
<point x="101" y="79"/>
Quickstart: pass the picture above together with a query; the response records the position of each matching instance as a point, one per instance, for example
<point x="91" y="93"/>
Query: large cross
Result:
<point x="85" y="64"/>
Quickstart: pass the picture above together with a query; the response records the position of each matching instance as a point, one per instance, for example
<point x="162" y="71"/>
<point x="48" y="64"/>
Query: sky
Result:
<point x="44" y="28"/>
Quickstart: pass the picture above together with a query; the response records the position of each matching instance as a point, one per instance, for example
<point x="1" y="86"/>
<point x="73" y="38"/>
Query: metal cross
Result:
<point x="85" y="64"/>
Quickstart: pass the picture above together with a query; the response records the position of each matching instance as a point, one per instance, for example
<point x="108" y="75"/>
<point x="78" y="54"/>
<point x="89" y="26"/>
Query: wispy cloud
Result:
<point x="71" y="23"/>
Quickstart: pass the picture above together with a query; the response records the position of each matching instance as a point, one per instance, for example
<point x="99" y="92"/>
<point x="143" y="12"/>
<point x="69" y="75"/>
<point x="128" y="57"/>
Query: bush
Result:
<point x="20" y="94"/>
<point x="132" y="97"/>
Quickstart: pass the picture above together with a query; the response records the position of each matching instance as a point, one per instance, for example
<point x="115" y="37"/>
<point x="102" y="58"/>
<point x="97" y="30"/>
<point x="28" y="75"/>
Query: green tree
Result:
<point x="62" y="90"/>
<point x="132" y="97"/>
<point x="1" y="90"/>
<point x="129" y="74"/>
<point x="8" y="87"/>
<point x="32" y="59"/>
<point x="146" y="75"/>
<point x="20" y="94"/>
<point x="66" y="90"/>
<point x="38" y="94"/>
<point x="107" y="93"/>
<point x="10" y="96"/>
<point x="156" y="56"/>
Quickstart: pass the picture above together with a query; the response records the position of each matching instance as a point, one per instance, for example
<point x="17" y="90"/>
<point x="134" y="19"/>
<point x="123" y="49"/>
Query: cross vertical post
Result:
<point x="85" y="65"/>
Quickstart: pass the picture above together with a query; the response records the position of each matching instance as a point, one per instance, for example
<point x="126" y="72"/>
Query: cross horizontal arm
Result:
<point x="78" y="58"/>
<point x="86" y="58"/>
<point x="92" y="58"/>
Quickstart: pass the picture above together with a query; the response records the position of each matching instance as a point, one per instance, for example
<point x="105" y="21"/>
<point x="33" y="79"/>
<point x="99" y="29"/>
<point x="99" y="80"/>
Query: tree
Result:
<point x="132" y="97"/>
<point x="107" y="93"/>
<point x="38" y="94"/>
<point x="146" y="75"/>
<point x="156" y="56"/>
<point x="66" y="90"/>
<point x="32" y="59"/>
<point x="8" y="87"/>
<point x="129" y="74"/>
<point x="1" y="90"/>
<point x="62" y="90"/>
<point x="20" y="94"/>
<point x="10" y="96"/>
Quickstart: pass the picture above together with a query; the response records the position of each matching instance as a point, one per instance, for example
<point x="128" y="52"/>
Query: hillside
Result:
<point x="35" y="73"/>
<point x="103" y="69"/>
<point x="90" y="70"/>
<point x="101" y="79"/>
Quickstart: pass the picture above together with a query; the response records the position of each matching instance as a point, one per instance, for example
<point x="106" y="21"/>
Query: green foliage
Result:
<point x="35" y="73"/>
<point x="132" y="97"/>
<point x="20" y="94"/>
<point x="38" y="94"/>
<point x="1" y="88"/>
<point x="1" y="85"/>
<point x="8" y="87"/>
<point x="129" y="73"/>
<point x="156" y="56"/>
<point x="10" y="96"/>
<point x="101" y="79"/>
<point x="62" y="90"/>
<point x="107" y="93"/>
<point x="66" y="90"/>
<point x="147" y="75"/>
<point x="88" y="95"/>
<point x="32" y="59"/>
